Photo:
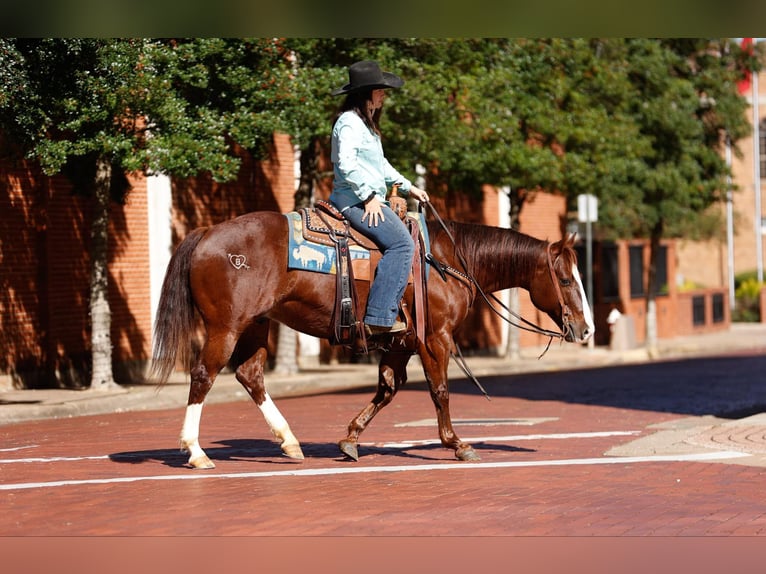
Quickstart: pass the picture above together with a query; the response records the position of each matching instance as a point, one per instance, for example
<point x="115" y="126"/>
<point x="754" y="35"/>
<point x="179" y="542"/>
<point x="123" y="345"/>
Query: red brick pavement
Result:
<point x="237" y="498"/>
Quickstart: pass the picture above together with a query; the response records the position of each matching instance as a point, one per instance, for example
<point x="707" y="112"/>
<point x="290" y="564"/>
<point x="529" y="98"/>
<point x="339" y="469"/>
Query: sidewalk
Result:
<point x="24" y="405"/>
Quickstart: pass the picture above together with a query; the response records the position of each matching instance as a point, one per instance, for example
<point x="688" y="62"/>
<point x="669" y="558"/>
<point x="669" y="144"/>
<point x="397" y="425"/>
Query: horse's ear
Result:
<point x="565" y="242"/>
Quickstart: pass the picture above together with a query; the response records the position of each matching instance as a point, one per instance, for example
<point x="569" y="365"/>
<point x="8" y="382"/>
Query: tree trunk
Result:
<point x="100" y="313"/>
<point x="286" y="361"/>
<point x="513" y="349"/>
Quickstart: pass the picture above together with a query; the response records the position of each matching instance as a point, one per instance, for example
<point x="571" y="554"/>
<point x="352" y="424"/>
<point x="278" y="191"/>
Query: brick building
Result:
<point x="44" y="229"/>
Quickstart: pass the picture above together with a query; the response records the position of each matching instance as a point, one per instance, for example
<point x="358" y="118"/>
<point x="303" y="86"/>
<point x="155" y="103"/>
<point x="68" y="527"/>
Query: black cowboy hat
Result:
<point x="367" y="74"/>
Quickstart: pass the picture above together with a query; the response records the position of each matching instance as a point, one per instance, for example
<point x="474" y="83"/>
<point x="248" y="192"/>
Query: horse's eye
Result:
<point x="566" y="282"/>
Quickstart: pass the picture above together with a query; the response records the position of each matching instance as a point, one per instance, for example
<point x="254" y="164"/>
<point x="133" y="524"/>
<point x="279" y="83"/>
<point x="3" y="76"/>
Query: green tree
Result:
<point x="684" y="100"/>
<point x="96" y="108"/>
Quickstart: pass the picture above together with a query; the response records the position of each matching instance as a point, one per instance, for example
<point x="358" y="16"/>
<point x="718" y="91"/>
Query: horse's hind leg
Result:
<point x="392" y="374"/>
<point x="250" y="376"/>
<point x="280" y="428"/>
<point x="213" y="357"/>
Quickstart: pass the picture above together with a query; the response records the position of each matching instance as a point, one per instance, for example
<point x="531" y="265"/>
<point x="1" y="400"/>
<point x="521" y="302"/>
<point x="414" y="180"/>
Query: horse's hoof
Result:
<point x="201" y="463"/>
<point x="467" y="454"/>
<point x="348" y="448"/>
<point x="293" y="451"/>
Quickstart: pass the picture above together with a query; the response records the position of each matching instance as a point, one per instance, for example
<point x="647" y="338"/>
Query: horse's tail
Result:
<point x="174" y="324"/>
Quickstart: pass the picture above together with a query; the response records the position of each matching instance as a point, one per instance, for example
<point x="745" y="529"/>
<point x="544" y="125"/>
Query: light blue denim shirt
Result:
<point x="359" y="166"/>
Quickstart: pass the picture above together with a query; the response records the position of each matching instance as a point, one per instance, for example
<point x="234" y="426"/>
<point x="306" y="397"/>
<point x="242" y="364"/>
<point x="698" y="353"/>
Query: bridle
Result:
<point x="566" y="312"/>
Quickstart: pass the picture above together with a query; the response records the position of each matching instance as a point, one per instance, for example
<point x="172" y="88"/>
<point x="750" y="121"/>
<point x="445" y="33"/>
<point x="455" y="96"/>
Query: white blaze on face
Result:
<point x="585" y="305"/>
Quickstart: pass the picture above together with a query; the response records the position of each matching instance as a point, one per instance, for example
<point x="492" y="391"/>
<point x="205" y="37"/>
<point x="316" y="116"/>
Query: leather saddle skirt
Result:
<point x="323" y="220"/>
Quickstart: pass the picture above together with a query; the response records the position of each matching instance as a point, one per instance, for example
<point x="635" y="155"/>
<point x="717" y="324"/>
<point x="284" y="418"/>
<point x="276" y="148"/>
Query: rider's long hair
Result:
<point x="357" y="101"/>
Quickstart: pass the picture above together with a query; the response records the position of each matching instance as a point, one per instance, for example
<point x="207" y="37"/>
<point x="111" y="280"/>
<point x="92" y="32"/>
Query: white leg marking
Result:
<point x="190" y="437"/>
<point x="279" y="427"/>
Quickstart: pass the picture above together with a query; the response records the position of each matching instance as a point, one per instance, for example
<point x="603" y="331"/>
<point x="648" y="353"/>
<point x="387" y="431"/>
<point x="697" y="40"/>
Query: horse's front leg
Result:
<point x="435" y="365"/>
<point x="392" y="374"/>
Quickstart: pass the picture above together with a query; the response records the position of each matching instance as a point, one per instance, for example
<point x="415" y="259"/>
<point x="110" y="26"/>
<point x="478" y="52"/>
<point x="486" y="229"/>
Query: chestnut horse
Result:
<point x="235" y="275"/>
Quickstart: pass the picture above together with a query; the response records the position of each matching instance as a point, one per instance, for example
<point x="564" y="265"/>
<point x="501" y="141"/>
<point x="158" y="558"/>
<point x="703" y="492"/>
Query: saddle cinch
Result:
<point x="325" y="225"/>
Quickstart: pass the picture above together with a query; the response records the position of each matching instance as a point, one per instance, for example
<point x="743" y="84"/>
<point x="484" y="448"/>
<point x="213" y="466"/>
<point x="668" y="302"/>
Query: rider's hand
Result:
<point x="373" y="211"/>
<point x="419" y="194"/>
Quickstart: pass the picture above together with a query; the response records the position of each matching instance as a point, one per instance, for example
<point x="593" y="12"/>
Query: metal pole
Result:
<point x="589" y="257"/>
<point x="589" y="262"/>
<point x="730" y="227"/>
<point x="757" y="179"/>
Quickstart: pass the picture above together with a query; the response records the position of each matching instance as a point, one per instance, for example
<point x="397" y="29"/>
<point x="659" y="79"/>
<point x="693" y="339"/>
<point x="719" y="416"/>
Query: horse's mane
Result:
<point x="493" y="250"/>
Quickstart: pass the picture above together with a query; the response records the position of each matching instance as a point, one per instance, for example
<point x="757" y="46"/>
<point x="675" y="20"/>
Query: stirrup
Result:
<point x="397" y="327"/>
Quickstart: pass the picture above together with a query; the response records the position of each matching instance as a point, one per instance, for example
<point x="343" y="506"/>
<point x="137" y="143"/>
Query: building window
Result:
<point x="662" y="271"/>
<point x="698" y="310"/>
<point x="610" y="286"/>
<point x="637" y="277"/>
<point x="718" y="308"/>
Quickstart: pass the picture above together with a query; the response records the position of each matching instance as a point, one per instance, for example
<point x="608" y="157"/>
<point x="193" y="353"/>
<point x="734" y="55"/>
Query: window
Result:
<point x="610" y="286"/>
<point x="718" y="308"/>
<point x="662" y="271"/>
<point x="698" y="310"/>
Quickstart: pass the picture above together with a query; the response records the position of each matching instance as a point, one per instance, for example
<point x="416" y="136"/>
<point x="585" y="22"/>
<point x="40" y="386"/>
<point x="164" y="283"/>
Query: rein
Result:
<point x="521" y="322"/>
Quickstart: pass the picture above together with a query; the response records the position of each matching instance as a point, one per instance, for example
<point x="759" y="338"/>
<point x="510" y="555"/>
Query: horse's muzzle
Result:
<point x="578" y="332"/>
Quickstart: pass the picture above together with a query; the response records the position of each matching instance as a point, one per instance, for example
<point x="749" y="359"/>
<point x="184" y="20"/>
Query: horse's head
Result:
<point x="557" y="290"/>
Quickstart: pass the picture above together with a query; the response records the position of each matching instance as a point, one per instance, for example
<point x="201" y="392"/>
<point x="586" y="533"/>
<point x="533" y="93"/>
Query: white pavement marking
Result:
<point x="53" y="459"/>
<point x="710" y="456"/>
<point x="17" y="448"/>
<point x="480" y="422"/>
<point x="484" y="439"/>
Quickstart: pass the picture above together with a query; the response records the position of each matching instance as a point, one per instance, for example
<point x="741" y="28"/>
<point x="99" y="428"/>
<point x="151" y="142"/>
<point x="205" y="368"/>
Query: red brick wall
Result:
<point x="129" y="293"/>
<point x="65" y="294"/>
<point x="44" y="277"/>
<point x="22" y="240"/>
<point x="261" y="186"/>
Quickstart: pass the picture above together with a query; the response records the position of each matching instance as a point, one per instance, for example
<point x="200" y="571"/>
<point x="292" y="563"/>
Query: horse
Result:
<point x="234" y="275"/>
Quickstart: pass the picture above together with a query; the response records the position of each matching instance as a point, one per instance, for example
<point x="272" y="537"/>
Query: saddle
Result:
<point x="321" y="222"/>
<point x="325" y="225"/>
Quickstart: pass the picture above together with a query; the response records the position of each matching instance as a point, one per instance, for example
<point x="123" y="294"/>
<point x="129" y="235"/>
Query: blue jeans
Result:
<point x="397" y="249"/>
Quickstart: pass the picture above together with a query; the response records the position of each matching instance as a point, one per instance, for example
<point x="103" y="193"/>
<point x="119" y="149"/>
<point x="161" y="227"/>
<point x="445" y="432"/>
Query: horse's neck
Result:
<point x="507" y="259"/>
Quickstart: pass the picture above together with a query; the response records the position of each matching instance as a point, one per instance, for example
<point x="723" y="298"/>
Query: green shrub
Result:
<point x="748" y="299"/>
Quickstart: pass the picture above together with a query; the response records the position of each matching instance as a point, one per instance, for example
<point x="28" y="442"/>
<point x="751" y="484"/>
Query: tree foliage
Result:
<point x="638" y="122"/>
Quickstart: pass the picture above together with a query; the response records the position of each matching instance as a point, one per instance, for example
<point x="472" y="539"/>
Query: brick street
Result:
<point x="563" y="454"/>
